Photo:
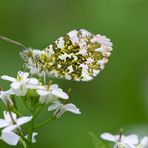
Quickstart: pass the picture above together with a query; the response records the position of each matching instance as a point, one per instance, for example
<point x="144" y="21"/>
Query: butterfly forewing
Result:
<point x="78" y="55"/>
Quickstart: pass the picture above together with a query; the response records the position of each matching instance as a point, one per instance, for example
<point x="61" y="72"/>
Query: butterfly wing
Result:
<point x="78" y="55"/>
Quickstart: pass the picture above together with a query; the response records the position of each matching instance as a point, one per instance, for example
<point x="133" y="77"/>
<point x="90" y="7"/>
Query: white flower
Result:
<point x="62" y="108"/>
<point x="143" y="143"/>
<point x="5" y="97"/>
<point x="10" y="121"/>
<point x="50" y="93"/>
<point x="33" y="137"/>
<point x="22" y="83"/>
<point x="121" y="141"/>
<point x="10" y="138"/>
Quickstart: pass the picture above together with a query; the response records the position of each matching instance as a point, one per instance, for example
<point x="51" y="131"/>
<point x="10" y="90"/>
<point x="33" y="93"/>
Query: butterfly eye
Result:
<point x="29" y="53"/>
<point x="26" y="54"/>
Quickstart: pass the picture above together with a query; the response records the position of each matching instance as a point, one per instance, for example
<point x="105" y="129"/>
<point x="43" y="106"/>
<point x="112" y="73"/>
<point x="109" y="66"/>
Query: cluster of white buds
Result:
<point x="130" y="141"/>
<point x="35" y="96"/>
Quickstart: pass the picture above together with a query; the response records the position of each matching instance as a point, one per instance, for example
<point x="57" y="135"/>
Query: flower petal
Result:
<point x="5" y="96"/>
<point x="109" y="137"/>
<point x="43" y="92"/>
<point x="144" y="141"/>
<point x="54" y="86"/>
<point x="46" y="99"/>
<point x="71" y="108"/>
<point x="15" y="85"/>
<point x="54" y="106"/>
<point x="59" y="93"/>
<point x="8" y="78"/>
<point x="3" y="123"/>
<point x="33" y="137"/>
<point x="10" y="128"/>
<point x="23" y="120"/>
<point x="23" y="74"/>
<point x="41" y="87"/>
<point x="19" y="89"/>
<point x="10" y="138"/>
<point x="33" y="81"/>
<point x="131" y="139"/>
<point x="7" y="116"/>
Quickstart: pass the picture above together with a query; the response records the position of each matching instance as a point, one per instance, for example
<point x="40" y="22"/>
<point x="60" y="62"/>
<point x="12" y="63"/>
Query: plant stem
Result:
<point x="26" y="105"/>
<point x="32" y="112"/>
<point x="23" y="143"/>
<point x="40" y="109"/>
<point x="18" y="113"/>
<point x="31" y="133"/>
<point x="45" y="122"/>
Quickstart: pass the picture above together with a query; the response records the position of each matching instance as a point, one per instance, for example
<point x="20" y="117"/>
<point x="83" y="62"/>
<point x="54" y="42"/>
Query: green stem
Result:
<point x="31" y="126"/>
<point x="14" y="102"/>
<point x="45" y="122"/>
<point x="26" y="105"/>
<point x="30" y="133"/>
<point x="37" y="113"/>
<point x="15" y="111"/>
<point x="23" y="143"/>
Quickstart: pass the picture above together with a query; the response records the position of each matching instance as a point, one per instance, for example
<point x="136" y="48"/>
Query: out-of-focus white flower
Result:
<point x="10" y="138"/>
<point x="51" y="93"/>
<point x="5" y="97"/>
<point x="62" y="108"/>
<point x="121" y="141"/>
<point x="10" y="121"/>
<point x="22" y="83"/>
<point x="33" y="137"/>
<point x="143" y="143"/>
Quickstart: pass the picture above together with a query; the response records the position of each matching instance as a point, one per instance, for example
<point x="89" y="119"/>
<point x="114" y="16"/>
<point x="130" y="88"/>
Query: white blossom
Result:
<point x="5" y="97"/>
<point x="10" y="138"/>
<point x="10" y="121"/>
<point x="33" y="137"/>
<point x="143" y="143"/>
<point x="121" y="141"/>
<point x="62" y="108"/>
<point x="22" y="83"/>
<point x="50" y="93"/>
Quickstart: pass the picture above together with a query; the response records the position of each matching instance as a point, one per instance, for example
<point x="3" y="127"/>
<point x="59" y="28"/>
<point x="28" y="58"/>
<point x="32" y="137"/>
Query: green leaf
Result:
<point x="98" y="143"/>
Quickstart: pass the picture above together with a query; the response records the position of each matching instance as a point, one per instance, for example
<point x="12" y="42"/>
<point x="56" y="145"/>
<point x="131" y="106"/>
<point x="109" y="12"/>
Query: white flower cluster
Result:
<point x="130" y="141"/>
<point x="46" y="94"/>
<point x="10" y="125"/>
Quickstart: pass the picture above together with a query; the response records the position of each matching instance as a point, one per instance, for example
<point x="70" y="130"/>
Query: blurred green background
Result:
<point x="118" y="97"/>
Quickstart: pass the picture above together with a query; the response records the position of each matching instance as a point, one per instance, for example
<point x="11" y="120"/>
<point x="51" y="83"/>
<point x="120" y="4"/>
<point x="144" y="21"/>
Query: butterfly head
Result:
<point x="26" y="54"/>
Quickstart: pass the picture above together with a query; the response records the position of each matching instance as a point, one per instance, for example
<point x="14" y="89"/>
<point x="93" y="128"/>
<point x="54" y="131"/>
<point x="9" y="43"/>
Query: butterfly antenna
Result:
<point x="12" y="41"/>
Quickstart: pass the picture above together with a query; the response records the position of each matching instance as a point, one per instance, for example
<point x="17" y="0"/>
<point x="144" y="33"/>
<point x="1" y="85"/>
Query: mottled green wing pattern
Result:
<point x="78" y="55"/>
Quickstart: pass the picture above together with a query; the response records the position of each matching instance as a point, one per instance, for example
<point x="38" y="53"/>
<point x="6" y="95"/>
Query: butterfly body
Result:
<point x="78" y="55"/>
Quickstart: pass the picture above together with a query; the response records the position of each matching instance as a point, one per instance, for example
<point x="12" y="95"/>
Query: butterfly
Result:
<point x="78" y="55"/>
